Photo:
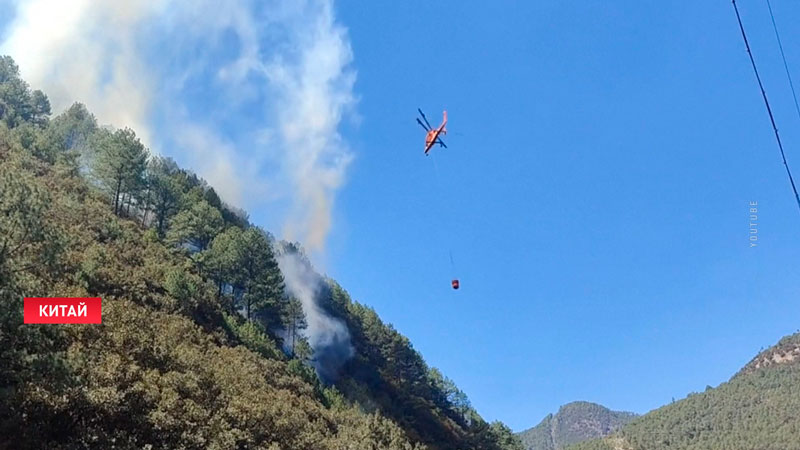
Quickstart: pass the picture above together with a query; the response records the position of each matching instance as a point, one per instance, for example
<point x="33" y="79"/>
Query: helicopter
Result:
<point x="433" y="135"/>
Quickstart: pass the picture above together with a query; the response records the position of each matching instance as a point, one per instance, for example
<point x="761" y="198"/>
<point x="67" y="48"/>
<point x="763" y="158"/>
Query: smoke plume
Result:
<point x="328" y="336"/>
<point x="249" y="93"/>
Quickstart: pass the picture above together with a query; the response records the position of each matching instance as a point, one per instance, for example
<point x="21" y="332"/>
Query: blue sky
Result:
<point x="595" y="195"/>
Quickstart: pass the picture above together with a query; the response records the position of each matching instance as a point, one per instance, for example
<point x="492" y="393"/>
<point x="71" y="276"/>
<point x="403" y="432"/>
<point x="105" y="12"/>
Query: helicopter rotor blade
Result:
<point x="424" y="118"/>
<point x="422" y="125"/>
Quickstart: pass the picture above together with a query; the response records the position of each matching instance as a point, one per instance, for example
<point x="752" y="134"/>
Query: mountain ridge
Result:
<point x="757" y="408"/>
<point x="574" y="422"/>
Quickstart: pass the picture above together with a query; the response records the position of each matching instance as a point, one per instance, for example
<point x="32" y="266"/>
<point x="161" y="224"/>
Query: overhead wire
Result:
<point x="783" y="56"/>
<point x="766" y="102"/>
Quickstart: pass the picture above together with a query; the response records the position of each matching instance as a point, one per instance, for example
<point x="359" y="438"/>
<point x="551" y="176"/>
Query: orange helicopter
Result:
<point x="432" y="137"/>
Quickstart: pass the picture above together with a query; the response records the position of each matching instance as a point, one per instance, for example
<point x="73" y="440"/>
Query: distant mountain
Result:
<point x="759" y="408"/>
<point x="575" y="422"/>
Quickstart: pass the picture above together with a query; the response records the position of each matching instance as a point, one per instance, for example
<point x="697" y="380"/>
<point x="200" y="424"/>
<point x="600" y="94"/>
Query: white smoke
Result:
<point x="243" y="92"/>
<point x="328" y="336"/>
<point x="80" y="51"/>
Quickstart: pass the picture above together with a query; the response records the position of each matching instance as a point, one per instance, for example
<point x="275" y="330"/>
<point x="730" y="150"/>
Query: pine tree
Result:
<point x="164" y="191"/>
<point x="262" y="279"/>
<point x="120" y="164"/>
<point x="294" y="321"/>
<point x="197" y="226"/>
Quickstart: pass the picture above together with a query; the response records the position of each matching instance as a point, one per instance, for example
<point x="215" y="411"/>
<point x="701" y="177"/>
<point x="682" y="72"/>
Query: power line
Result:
<point x="766" y="102"/>
<point x="783" y="55"/>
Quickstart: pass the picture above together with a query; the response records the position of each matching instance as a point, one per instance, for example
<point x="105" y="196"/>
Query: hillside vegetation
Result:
<point x="759" y="408"/>
<point x="202" y="345"/>
<point x="574" y="422"/>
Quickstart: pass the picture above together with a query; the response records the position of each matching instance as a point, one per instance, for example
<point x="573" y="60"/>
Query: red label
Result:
<point x="63" y="310"/>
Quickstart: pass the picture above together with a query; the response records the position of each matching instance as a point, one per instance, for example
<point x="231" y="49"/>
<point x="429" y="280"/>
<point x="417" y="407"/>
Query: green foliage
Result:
<point x="28" y="243"/>
<point x="294" y="322"/>
<point x="163" y="191"/>
<point x="303" y="350"/>
<point x="753" y="410"/>
<point x="31" y="247"/>
<point x="333" y="398"/>
<point x="245" y="261"/>
<point x="234" y="216"/>
<point x="181" y="286"/>
<point x="504" y="437"/>
<point x="73" y="128"/>
<point x="120" y="165"/>
<point x="196" y="226"/>
<point x="253" y="336"/>
<point x="451" y="396"/>
<point x="66" y="137"/>
<point x="260" y="276"/>
<point x="18" y="104"/>
<point x="305" y="372"/>
<point x="219" y="262"/>
<point x="155" y="379"/>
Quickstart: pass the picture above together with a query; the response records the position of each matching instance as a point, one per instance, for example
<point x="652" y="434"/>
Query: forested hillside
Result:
<point x="574" y="422"/>
<point x="759" y="408"/>
<point x="207" y="338"/>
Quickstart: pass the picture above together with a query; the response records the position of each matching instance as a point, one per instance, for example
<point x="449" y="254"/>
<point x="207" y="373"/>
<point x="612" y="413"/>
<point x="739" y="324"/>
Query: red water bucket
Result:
<point x="455" y="284"/>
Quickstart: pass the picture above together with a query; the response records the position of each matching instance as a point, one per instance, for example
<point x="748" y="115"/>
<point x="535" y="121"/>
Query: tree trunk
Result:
<point x="128" y="206"/>
<point x="116" y="196"/>
<point x="146" y="207"/>
<point x="294" y="332"/>
<point x="161" y="217"/>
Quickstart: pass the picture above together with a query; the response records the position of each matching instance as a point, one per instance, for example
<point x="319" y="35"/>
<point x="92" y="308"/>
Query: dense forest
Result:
<point x="205" y="342"/>
<point x="573" y="423"/>
<point x="758" y="408"/>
